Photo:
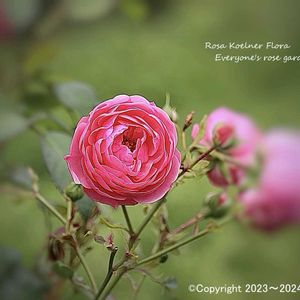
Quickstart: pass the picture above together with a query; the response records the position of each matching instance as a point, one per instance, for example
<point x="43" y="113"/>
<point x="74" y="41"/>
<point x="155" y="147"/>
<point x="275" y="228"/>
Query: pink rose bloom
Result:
<point x="224" y="125"/>
<point x="275" y="202"/>
<point x="124" y="152"/>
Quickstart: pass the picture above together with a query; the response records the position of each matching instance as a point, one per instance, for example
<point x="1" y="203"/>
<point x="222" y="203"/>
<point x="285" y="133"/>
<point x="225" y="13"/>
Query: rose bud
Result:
<point x="55" y="249"/>
<point x="55" y="245"/>
<point x="223" y="136"/>
<point x="221" y="124"/>
<point x="218" y="205"/>
<point x="275" y="200"/>
<point x="188" y="121"/>
<point x="124" y="152"/>
<point x="74" y="191"/>
<point x="232" y="176"/>
<point x="171" y="111"/>
<point x="173" y="116"/>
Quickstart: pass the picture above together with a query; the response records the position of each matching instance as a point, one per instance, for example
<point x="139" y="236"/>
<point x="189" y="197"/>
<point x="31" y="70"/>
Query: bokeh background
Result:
<point x="149" y="47"/>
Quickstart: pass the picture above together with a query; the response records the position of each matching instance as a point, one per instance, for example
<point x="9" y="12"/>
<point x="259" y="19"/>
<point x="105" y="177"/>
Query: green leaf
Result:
<point x="223" y="167"/>
<point x="11" y="124"/>
<point x="99" y="239"/>
<point x="20" y="175"/>
<point x="85" y="207"/>
<point x="55" y="146"/>
<point x="77" y="96"/>
<point x="111" y="225"/>
<point x="202" y="167"/>
<point x="63" y="270"/>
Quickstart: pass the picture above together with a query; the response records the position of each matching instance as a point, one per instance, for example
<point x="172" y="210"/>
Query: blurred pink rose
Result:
<point x="223" y="135"/>
<point x="275" y="202"/>
<point x="224" y="125"/>
<point x="124" y="152"/>
<point x="234" y="173"/>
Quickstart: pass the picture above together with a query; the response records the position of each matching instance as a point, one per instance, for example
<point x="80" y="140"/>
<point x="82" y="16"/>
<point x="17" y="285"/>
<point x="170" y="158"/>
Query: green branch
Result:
<point x="148" y="218"/>
<point x="109" y="273"/>
<point x="201" y="157"/>
<point x="113" y="283"/>
<point x="86" y="267"/>
<point x="51" y="208"/>
<point x="179" y="244"/>
<point x="130" y="228"/>
<point x="54" y="211"/>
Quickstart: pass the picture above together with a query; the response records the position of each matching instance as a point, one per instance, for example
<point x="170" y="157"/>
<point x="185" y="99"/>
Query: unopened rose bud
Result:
<point x="223" y="135"/>
<point x="109" y="243"/>
<point x="218" y="204"/>
<point x="74" y="191"/>
<point x="223" y="174"/>
<point x="171" y="111"/>
<point x="188" y="120"/>
<point x="55" y="249"/>
<point x="173" y="115"/>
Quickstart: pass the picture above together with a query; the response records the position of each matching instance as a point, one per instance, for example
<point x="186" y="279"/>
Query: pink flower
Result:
<point x="124" y="152"/>
<point x="223" y="134"/>
<point x="234" y="173"/>
<point x="240" y="133"/>
<point x="275" y="202"/>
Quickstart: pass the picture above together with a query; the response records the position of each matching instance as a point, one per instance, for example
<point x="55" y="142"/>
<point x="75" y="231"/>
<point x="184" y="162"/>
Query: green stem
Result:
<point x="77" y="249"/>
<point x="109" y="273"/>
<point x="130" y="228"/>
<point x="65" y="222"/>
<point x="195" y="219"/>
<point x="230" y="160"/>
<point x="178" y="245"/>
<point x="51" y="208"/>
<point x="69" y="214"/>
<point x="114" y="283"/>
<point x="202" y="156"/>
<point x="148" y="218"/>
<point x="86" y="267"/>
<point x="183" y="141"/>
<point x="133" y="239"/>
<point x="160" y="202"/>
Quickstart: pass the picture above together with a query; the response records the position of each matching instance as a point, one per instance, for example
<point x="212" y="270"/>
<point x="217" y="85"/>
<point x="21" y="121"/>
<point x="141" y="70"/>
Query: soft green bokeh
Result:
<point x="165" y="53"/>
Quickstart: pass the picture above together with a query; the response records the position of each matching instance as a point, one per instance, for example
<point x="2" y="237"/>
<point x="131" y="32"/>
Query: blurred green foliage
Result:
<point x="151" y="49"/>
